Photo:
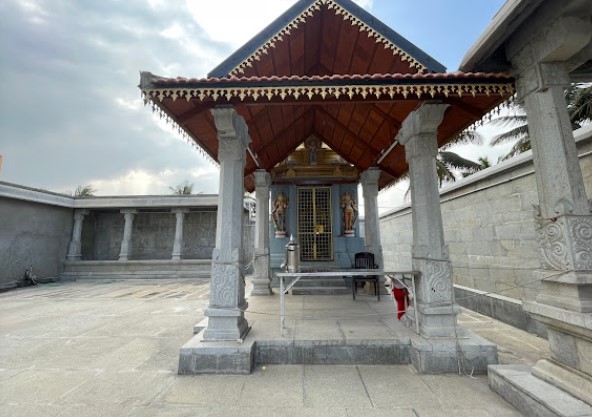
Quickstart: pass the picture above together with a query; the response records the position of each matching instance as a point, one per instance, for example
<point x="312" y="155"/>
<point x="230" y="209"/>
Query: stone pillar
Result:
<point x="225" y="312"/>
<point x="369" y="179"/>
<point x="262" y="268"/>
<point x="430" y="255"/>
<point x="178" y="243"/>
<point x="126" y="242"/>
<point x="563" y="219"/>
<point x="74" y="248"/>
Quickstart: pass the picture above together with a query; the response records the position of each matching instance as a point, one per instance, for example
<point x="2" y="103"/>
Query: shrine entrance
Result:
<point x="314" y="224"/>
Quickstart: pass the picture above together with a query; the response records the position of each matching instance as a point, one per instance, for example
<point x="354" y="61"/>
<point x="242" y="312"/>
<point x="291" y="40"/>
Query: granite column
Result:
<point x="262" y="268"/>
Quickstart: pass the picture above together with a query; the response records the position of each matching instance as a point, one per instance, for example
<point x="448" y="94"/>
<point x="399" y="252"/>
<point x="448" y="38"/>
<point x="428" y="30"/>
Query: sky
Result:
<point x="70" y="109"/>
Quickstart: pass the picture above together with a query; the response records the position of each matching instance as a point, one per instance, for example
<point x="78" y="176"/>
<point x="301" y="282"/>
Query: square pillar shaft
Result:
<point x="371" y="221"/>
<point x="75" y="246"/>
<point x="563" y="220"/>
<point x="128" y="227"/>
<point x="227" y="287"/>
<point x="261" y="279"/>
<point x="430" y="255"/>
<point x="369" y="179"/>
<point x="178" y="243"/>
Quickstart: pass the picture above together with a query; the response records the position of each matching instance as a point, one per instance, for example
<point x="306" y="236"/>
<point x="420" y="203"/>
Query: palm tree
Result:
<point x="579" y="106"/>
<point x="447" y="162"/>
<point x="183" y="189"/>
<point x="482" y="163"/>
<point x="86" y="191"/>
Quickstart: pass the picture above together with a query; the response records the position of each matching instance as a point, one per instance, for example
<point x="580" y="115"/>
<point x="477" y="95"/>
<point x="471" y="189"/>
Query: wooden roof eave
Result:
<point x="268" y="90"/>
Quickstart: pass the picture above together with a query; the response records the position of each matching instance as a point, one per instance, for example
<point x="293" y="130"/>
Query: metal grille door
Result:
<point x="314" y="224"/>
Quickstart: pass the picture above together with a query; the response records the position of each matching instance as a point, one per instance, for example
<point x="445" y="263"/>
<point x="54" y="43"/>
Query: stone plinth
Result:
<point x="469" y="352"/>
<point x="216" y="357"/>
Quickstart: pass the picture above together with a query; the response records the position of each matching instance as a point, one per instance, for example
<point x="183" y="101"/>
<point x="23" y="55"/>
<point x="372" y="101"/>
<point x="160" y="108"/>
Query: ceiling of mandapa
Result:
<point x="330" y="69"/>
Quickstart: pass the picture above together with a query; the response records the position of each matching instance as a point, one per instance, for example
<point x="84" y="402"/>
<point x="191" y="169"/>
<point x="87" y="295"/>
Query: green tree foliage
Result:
<point x="86" y="191"/>
<point x="183" y="189"/>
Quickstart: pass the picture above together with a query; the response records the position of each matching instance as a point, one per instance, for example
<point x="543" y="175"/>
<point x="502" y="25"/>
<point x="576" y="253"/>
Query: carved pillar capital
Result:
<point x="419" y="130"/>
<point x="262" y="178"/>
<point x="233" y="134"/>
<point x="369" y="178"/>
<point x="545" y="59"/>
<point x="79" y="214"/>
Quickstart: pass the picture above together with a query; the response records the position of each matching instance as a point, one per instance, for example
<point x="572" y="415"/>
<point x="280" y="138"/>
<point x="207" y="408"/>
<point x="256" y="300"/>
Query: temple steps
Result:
<point x="321" y="286"/>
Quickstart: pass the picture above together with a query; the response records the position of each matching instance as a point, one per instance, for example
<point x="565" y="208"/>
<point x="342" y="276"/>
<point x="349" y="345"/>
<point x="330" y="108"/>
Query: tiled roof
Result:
<point x="456" y="76"/>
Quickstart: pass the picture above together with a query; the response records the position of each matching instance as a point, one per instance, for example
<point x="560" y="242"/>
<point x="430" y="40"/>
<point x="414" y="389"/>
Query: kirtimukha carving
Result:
<point x="278" y="214"/>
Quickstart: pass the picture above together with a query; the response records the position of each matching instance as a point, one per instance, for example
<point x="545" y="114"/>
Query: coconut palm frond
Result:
<point x="483" y="163"/>
<point x="444" y="172"/>
<point x="465" y="137"/>
<point x="452" y="159"/>
<point x="519" y="147"/>
<point x="580" y="106"/>
<point x="517" y="133"/>
<point x="510" y="121"/>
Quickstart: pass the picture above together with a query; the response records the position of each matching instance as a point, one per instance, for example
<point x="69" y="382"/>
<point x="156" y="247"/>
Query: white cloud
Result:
<point x="129" y="104"/>
<point x="142" y="182"/>
<point x="175" y="31"/>
<point x="241" y="20"/>
<point x="36" y="13"/>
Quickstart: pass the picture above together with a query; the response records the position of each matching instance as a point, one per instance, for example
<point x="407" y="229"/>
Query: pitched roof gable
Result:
<point x="302" y="13"/>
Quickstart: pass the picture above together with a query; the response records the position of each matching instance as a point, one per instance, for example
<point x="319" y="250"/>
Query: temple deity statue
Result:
<point x="278" y="214"/>
<point x="350" y="213"/>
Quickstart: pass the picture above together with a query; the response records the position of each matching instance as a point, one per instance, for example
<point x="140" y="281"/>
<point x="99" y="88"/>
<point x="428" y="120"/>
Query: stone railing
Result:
<point x="490" y="232"/>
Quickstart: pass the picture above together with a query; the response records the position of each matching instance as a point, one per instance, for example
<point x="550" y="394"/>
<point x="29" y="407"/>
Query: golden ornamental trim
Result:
<point x="334" y="92"/>
<point x="309" y="12"/>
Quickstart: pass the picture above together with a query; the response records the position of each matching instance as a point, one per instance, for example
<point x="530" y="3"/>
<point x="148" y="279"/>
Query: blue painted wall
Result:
<point x="344" y="248"/>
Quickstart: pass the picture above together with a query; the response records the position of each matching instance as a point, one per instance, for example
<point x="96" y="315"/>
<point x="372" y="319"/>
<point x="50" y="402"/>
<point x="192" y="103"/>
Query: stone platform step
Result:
<point x="334" y="352"/>
<point x="334" y="290"/>
<point x="321" y="286"/>
<point x="429" y="356"/>
<point x="533" y="396"/>
<point x="320" y="282"/>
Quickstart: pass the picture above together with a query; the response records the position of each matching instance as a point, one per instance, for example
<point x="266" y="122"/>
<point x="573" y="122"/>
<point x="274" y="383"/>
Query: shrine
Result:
<point x="324" y="99"/>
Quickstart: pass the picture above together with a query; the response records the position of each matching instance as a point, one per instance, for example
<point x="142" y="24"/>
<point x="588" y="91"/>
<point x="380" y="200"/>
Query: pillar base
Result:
<point x="437" y="321"/>
<point x="533" y="396"/>
<point x="442" y="355"/>
<point x="261" y="278"/>
<point x="569" y="335"/>
<point x="226" y="325"/>
<point x="199" y="356"/>
<point x="569" y="290"/>
<point x="568" y="379"/>
<point x="261" y="287"/>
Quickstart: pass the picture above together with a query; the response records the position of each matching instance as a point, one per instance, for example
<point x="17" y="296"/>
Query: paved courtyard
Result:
<point x="111" y="348"/>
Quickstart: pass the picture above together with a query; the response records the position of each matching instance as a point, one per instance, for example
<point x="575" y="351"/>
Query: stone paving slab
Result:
<point x="104" y="358"/>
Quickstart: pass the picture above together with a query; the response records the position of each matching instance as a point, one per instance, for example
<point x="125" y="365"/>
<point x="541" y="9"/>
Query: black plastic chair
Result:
<point x="365" y="260"/>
